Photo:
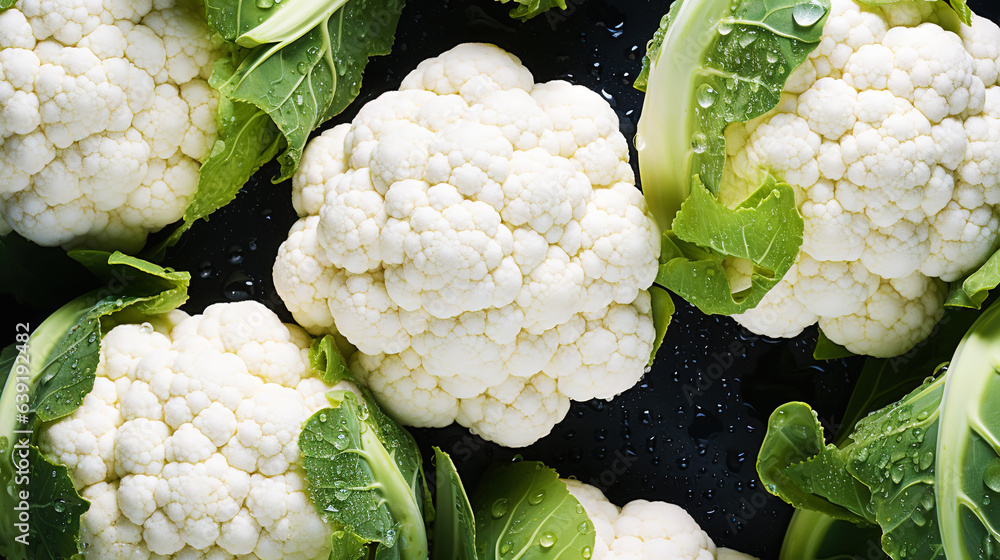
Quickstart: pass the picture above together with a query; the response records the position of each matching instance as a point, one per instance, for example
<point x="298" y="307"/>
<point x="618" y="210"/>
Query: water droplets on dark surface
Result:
<point x="205" y="269"/>
<point x="238" y="286"/>
<point x="235" y="255"/>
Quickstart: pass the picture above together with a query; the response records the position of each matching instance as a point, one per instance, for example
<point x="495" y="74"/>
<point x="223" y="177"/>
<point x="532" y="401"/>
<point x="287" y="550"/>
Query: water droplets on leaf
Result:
<point x="340" y="490"/>
<point x="548" y="539"/>
<point x="499" y="508"/>
<point x="537" y="498"/>
<point x="991" y="476"/>
<point x="926" y="460"/>
<point x="808" y="13"/>
<point x="927" y="500"/>
<point x="706" y="96"/>
<point x="699" y="143"/>
<point x="747" y="38"/>
<point x="897" y="474"/>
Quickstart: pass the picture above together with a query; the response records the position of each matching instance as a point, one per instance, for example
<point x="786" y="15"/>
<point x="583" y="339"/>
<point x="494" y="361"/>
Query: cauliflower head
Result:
<point x="188" y="443"/>
<point x="889" y="134"/>
<point x="479" y="238"/>
<point x="105" y="114"/>
<point x="644" y="530"/>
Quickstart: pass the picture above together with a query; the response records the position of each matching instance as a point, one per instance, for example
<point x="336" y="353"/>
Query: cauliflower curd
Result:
<point x="480" y="239"/>
<point x="188" y="443"/>
<point x="644" y="530"/>
<point x="890" y="135"/>
<point x="105" y="113"/>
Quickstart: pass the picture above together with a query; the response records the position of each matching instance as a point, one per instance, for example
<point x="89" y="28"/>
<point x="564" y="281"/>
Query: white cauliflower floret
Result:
<point x="188" y="443"/>
<point x="106" y="114"/>
<point x="479" y="238"/>
<point x="888" y="134"/>
<point x="643" y="530"/>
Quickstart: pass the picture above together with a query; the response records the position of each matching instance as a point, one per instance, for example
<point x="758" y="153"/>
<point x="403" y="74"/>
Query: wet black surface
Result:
<point x="689" y="433"/>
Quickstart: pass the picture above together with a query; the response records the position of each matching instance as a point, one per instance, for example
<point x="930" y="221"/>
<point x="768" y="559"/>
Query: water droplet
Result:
<point x="238" y="287"/>
<point x="583" y="527"/>
<point x="772" y="57"/>
<point x="640" y="142"/>
<point x="926" y="460"/>
<point x="586" y="552"/>
<point x="505" y="548"/>
<point x="991" y="476"/>
<point x="265" y="4"/>
<point x="725" y="28"/>
<point x="499" y="508"/>
<point x="927" y="500"/>
<point x="59" y="506"/>
<point x="205" y="269"/>
<point x="146" y="328"/>
<point x="897" y="474"/>
<point x="699" y="143"/>
<point x="548" y="540"/>
<point x="808" y="13"/>
<point x="863" y="454"/>
<point x="537" y="498"/>
<point x="235" y="255"/>
<point x="322" y="417"/>
<point x="706" y="95"/>
<point x="303" y="67"/>
<point x="747" y="38"/>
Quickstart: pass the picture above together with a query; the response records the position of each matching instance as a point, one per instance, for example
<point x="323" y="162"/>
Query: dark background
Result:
<point x="689" y="432"/>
